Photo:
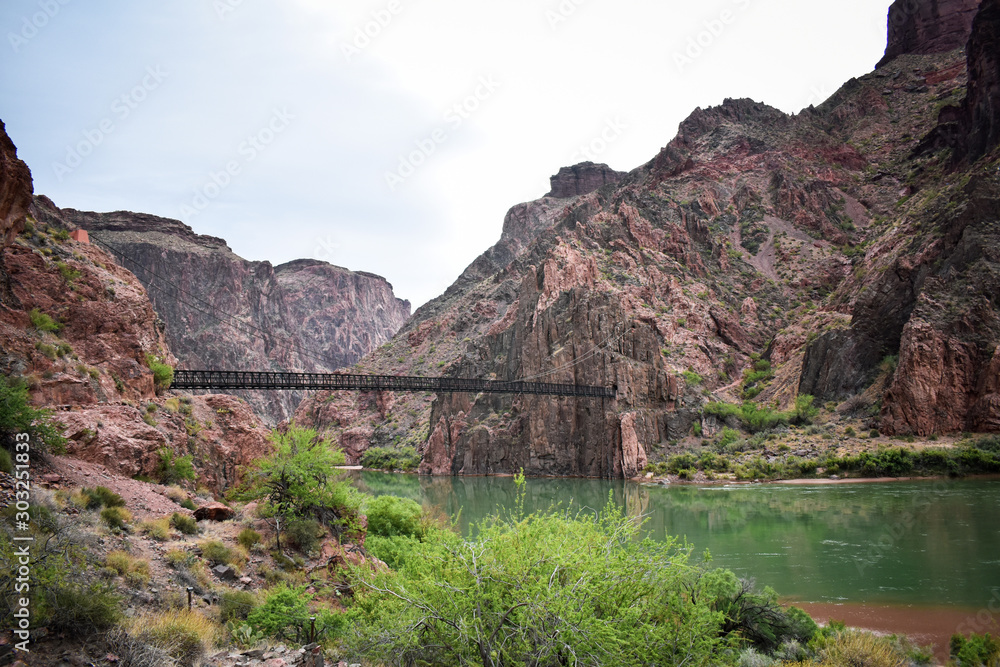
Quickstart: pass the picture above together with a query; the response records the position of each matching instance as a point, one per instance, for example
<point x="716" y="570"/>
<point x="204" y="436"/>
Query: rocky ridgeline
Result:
<point x="306" y="316"/>
<point x="833" y="243"/>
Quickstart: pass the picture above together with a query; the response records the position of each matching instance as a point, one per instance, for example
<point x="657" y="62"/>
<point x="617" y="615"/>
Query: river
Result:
<point x="921" y="557"/>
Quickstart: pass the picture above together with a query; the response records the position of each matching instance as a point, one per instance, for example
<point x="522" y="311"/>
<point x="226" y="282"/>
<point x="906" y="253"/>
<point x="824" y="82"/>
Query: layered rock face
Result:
<point x="582" y="179"/>
<point x="930" y="294"/>
<point x="928" y="26"/>
<point x="90" y="361"/>
<point x="15" y="196"/>
<point x="981" y="109"/>
<point x="224" y="312"/>
<point x="825" y="242"/>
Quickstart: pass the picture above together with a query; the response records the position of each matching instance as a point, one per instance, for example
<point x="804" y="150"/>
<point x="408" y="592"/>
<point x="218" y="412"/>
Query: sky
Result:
<point x="388" y="136"/>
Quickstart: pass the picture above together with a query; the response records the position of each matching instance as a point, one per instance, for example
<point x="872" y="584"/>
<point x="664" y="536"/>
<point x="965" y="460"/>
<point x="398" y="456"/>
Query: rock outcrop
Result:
<point x="924" y="27"/>
<point x="582" y="179"/>
<point x="15" y="191"/>
<point x="224" y="312"/>
<point x="981" y="108"/>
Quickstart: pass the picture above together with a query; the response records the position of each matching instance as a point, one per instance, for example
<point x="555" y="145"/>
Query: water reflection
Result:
<point x="895" y="543"/>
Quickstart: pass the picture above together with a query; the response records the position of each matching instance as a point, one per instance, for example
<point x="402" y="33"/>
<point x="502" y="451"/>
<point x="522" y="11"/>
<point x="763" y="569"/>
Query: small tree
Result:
<point x="17" y="417"/>
<point x="298" y="481"/>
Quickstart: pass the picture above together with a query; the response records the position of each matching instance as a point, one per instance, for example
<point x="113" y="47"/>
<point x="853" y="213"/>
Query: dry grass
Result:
<point x="158" y="529"/>
<point x="857" y="648"/>
<point x="134" y="570"/>
<point x="186" y="636"/>
<point x="176" y="494"/>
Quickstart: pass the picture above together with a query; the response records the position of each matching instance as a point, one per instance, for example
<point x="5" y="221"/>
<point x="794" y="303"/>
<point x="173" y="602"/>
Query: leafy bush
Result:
<point x="692" y="379"/>
<point x="539" y="589"/>
<point x="172" y="469"/>
<point x="681" y="461"/>
<point x="78" y="607"/>
<point x="299" y="480"/>
<point x="163" y="374"/>
<point x="106" y="496"/>
<point x="389" y="458"/>
<point x="804" y="411"/>
<point x="43" y="322"/>
<point x="285" y="614"/>
<point x="184" y="523"/>
<point x="116" y="517"/>
<point x="389" y="516"/>
<point x="188" y="504"/>
<point x="248" y="538"/>
<point x="975" y="651"/>
<point x="17" y="417"/>
<point x="236" y="605"/>
<point x="216" y="553"/>
<point x="303" y="534"/>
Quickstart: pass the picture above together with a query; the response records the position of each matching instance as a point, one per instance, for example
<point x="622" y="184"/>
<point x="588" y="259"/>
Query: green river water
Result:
<point x="931" y="542"/>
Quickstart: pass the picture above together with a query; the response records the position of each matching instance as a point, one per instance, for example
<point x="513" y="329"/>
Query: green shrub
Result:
<point x="188" y="504"/>
<point x="692" y="379"/>
<point x="303" y="534"/>
<point x="77" y="607"/>
<point x="248" y="538"/>
<point x="804" y="411"/>
<point x="68" y="273"/>
<point x="614" y="599"/>
<point x="285" y="613"/>
<point x="389" y="458"/>
<point x="107" y="497"/>
<point x="18" y="417"/>
<point x="47" y="350"/>
<point x="43" y="322"/>
<point x="172" y="469"/>
<point x="116" y="517"/>
<point x="975" y="651"/>
<point x="184" y="523"/>
<point x="389" y="516"/>
<point x="163" y="374"/>
<point x="697" y="429"/>
<point x="236" y="605"/>
<point x="681" y="461"/>
<point x="6" y="463"/>
<point x="216" y="553"/>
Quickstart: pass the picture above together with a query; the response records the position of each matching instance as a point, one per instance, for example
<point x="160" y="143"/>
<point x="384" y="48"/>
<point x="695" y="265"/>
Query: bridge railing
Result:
<point x="269" y="380"/>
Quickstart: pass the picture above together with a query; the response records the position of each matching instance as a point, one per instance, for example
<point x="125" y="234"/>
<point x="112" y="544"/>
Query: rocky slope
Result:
<point x="90" y="360"/>
<point x="835" y="244"/>
<point x="302" y="316"/>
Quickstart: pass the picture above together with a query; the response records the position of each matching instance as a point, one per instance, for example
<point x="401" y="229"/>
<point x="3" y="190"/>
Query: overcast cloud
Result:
<point x="388" y="136"/>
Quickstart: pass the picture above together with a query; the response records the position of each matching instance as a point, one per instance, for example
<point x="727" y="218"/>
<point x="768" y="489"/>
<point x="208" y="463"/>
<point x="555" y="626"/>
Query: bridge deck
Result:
<point x="230" y="380"/>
